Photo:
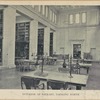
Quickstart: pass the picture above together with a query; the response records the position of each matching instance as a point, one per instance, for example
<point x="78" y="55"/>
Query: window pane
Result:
<point x="71" y="19"/>
<point x="77" y="18"/>
<point x="83" y="17"/>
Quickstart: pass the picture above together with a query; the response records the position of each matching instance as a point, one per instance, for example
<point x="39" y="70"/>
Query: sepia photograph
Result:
<point x="50" y="47"/>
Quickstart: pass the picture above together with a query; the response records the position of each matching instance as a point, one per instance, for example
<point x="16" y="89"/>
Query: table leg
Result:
<point x="79" y="70"/>
<point x="87" y="70"/>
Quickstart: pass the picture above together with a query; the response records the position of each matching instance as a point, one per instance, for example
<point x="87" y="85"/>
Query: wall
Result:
<point x="79" y="33"/>
<point x="20" y="19"/>
<point x="97" y="42"/>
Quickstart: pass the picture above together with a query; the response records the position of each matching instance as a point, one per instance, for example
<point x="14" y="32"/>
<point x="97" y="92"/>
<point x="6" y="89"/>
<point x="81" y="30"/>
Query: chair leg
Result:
<point x="78" y="87"/>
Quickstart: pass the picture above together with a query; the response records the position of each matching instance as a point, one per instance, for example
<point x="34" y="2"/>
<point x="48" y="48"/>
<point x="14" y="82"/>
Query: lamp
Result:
<point x="41" y="73"/>
<point x="64" y="62"/>
<point x="70" y="64"/>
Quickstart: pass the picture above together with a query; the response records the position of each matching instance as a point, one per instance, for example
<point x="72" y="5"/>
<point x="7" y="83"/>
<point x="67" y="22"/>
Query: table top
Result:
<point x="65" y="77"/>
<point x="26" y="61"/>
<point x="55" y="58"/>
<point x="88" y="60"/>
<point x="85" y="65"/>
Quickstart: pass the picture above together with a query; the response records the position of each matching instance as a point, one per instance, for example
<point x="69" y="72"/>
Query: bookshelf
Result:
<point x="40" y="48"/>
<point x="51" y="45"/>
<point x="22" y="40"/>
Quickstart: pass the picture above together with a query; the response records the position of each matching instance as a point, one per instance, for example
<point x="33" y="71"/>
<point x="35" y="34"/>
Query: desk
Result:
<point x="85" y="65"/>
<point x="77" y="80"/>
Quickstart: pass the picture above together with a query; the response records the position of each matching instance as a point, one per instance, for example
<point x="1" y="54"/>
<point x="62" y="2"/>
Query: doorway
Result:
<point x="76" y="51"/>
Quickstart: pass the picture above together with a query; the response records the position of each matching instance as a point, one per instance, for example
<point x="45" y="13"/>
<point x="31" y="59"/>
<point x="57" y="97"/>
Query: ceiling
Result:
<point x="69" y="7"/>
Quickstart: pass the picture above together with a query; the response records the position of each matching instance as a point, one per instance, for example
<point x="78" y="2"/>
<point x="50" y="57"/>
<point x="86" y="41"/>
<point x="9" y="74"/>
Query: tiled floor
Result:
<point x="10" y="78"/>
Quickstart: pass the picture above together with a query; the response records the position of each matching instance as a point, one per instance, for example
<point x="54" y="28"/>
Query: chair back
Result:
<point x="30" y="82"/>
<point x="55" y="85"/>
<point x="27" y="81"/>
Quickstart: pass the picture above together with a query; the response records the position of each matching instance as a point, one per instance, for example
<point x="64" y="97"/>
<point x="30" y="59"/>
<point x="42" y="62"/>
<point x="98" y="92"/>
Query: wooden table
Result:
<point x="89" y="61"/>
<point x="77" y="79"/>
<point x="23" y="64"/>
<point x="51" y="60"/>
<point x="85" y="65"/>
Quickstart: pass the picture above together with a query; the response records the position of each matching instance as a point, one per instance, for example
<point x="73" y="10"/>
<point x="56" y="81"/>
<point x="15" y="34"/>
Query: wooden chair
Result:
<point x="75" y="68"/>
<point x="31" y="83"/>
<point x="32" y="66"/>
<point x="20" y="65"/>
<point x="26" y="66"/>
<point x="55" y="85"/>
<point x="17" y="65"/>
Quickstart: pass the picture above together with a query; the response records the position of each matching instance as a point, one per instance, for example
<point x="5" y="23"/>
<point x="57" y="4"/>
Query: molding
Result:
<point x="26" y="11"/>
<point x="79" y="26"/>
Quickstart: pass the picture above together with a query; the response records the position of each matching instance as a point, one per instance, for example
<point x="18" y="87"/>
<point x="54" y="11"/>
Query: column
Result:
<point x="33" y="38"/>
<point x="46" y="40"/>
<point x="54" y="42"/>
<point x="9" y="23"/>
<point x="87" y="41"/>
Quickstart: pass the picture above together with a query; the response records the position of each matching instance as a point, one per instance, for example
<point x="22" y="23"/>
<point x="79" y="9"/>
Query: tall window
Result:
<point x="39" y="8"/>
<point x="43" y="10"/>
<point x="71" y="19"/>
<point x="77" y="18"/>
<point x="55" y="18"/>
<point x="84" y="17"/>
<point x="50" y="14"/>
<point x="46" y="11"/>
<point x="22" y="40"/>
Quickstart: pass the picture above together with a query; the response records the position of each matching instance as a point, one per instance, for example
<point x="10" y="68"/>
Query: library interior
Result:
<point x="50" y="47"/>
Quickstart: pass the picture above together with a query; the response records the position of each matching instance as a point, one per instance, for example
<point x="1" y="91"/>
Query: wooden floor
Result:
<point x="10" y="78"/>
